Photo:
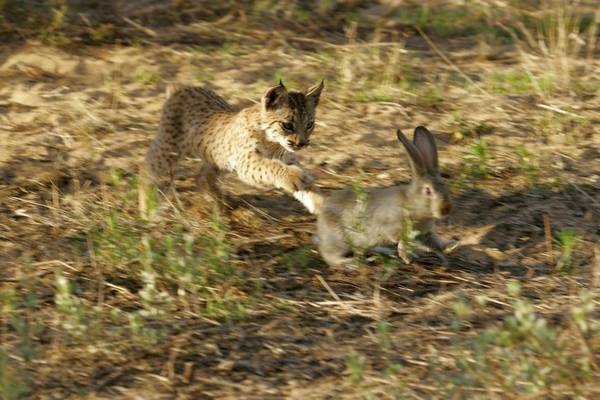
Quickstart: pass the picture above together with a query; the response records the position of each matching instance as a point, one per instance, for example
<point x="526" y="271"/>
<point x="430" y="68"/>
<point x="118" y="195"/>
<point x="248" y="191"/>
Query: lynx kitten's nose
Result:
<point x="301" y="144"/>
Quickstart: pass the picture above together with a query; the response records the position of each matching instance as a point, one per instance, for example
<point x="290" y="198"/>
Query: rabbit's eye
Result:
<point x="288" y="126"/>
<point x="428" y="191"/>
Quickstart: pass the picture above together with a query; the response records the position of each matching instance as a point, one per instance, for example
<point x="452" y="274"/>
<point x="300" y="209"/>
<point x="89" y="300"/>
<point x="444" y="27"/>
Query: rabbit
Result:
<point x="365" y="219"/>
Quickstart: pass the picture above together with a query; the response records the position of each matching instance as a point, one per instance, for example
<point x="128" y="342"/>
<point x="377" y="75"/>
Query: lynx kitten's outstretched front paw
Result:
<point x="312" y="200"/>
<point x="296" y="179"/>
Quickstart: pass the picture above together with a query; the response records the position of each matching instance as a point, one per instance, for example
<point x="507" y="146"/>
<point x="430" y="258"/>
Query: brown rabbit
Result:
<point x="376" y="217"/>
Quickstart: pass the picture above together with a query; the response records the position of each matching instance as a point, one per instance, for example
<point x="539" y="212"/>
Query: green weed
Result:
<point x="52" y="33"/>
<point x="408" y="234"/>
<point x="14" y="382"/>
<point x="145" y="76"/>
<point x="355" y="366"/>
<point x="462" y="128"/>
<point x="553" y="41"/>
<point x="300" y="259"/>
<point x="480" y="154"/>
<point x="527" y="164"/>
<point x="566" y="239"/>
<point x="231" y="48"/>
<point x="524" y="355"/>
<point x="512" y="82"/>
<point x="445" y="21"/>
<point x="262" y="6"/>
<point x="15" y="379"/>
<point x="115" y="242"/>
<point x="430" y="96"/>
<point x="73" y="320"/>
<point x="102" y="33"/>
<point x="324" y="7"/>
<point x="373" y="95"/>
<point x="552" y="124"/>
<point x="384" y="336"/>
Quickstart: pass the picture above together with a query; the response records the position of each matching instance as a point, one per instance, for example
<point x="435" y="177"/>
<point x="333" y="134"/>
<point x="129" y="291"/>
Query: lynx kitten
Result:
<point x="257" y="143"/>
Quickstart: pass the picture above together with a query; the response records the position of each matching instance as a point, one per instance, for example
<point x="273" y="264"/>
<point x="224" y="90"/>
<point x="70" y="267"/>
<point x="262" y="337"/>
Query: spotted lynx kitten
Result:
<point x="257" y="143"/>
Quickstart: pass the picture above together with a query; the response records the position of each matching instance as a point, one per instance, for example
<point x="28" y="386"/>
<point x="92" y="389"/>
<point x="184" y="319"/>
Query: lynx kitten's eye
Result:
<point x="310" y="125"/>
<point x="288" y="126"/>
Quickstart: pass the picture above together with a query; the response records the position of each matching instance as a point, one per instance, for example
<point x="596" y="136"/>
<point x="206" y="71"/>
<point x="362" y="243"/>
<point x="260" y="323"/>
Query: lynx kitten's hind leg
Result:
<point x="160" y="161"/>
<point x="145" y="191"/>
<point x="208" y="180"/>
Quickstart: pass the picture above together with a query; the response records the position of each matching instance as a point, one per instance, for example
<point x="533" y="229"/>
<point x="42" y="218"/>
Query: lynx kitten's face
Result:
<point x="288" y="118"/>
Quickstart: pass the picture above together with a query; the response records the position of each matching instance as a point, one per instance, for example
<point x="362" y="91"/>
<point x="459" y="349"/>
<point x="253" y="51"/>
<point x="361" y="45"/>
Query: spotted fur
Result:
<point x="257" y="143"/>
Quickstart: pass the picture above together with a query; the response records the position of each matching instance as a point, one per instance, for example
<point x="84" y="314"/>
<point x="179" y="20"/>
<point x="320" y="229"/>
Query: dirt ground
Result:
<point x="77" y="118"/>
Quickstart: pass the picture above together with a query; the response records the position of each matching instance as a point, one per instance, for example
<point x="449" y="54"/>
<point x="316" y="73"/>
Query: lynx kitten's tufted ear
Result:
<point x="274" y="97"/>
<point x="314" y="92"/>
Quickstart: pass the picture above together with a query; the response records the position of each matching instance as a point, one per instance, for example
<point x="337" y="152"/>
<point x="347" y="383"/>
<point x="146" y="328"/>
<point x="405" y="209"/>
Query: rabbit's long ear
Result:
<point x="425" y="143"/>
<point x="416" y="161"/>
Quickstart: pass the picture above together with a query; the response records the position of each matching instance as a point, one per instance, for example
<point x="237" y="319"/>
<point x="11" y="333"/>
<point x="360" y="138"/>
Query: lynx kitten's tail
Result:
<point x="172" y="87"/>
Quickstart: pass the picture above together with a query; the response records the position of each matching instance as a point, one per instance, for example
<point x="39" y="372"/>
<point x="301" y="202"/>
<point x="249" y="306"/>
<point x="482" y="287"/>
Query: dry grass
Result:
<point x="96" y="303"/>
<point x="556" y="40"/>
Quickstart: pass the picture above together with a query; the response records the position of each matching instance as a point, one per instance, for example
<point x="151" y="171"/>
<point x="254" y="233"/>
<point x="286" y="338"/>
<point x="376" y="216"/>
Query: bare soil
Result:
<point x="73" y="115"/>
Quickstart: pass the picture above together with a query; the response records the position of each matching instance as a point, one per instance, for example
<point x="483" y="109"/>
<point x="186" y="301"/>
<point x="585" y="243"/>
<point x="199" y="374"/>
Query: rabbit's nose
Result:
<point x="446" y="208"/>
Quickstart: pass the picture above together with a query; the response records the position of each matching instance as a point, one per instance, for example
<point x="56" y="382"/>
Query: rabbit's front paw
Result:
<point x="404" y="253"/>
<point x="449" y="245"/>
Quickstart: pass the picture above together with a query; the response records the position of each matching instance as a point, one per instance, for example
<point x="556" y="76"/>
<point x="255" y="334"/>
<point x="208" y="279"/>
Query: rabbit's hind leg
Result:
<point x="335" y="252"/>
<point x="337" y="260"/>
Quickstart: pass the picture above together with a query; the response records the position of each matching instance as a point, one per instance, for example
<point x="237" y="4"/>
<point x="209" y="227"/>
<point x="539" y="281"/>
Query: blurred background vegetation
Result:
<point x="96" y="302"/>
<point x="107" y="21"/>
